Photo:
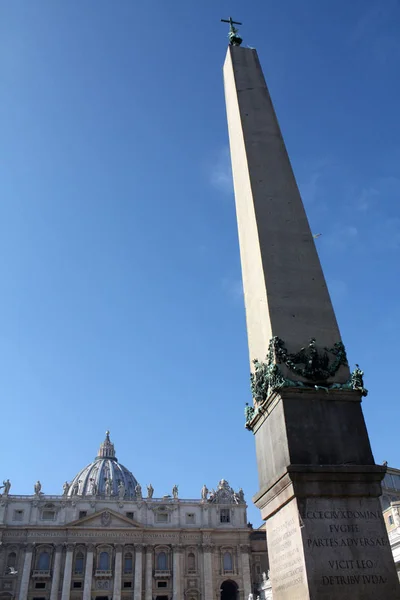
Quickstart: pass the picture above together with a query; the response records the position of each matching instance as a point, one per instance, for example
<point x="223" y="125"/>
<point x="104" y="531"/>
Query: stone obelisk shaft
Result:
<point x="319" y="486"/>
<point x="284" y="286"/>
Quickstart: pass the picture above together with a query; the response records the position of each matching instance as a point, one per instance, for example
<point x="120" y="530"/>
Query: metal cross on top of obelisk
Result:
<point x="234" y="39"/>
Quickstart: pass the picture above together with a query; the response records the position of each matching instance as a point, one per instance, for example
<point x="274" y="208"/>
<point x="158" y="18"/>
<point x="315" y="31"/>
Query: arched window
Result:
<point x="229" y="590"/>
<point x="79" y="562"/>
<point x="191" y="562"/>
<point x="12" y="560"/>
<point x="128" y="563"/>
<point x="44" y="561"/>
<point x="162" y="561"/>
<point x="228" y="563"/>
<point x="104" y="561"/>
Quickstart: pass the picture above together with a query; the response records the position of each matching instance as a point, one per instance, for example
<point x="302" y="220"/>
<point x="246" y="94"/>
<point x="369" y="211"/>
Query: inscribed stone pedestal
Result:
<point x="319" y="485"/>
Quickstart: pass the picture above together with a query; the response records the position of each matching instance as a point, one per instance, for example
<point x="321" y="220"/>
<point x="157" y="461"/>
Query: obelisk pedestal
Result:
<point x="319" y="485"/>
<point x="325" y="530"/>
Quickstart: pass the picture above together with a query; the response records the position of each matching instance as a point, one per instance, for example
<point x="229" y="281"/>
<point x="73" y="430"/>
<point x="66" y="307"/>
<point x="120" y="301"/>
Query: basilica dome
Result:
<point x="104" y="477"/>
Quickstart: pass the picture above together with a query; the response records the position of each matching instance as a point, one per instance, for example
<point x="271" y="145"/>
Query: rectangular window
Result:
<point x="130" y="515"/>
<point x="82" y="513"/>
<point x="48" y="515"/>
<point x="161" y="584"/>
<point x="40" y="585"/>
<point x="162" y="517"/>
<point x="77" y="584"/>
<point x="190" y="518"/>
<point x="391" y="520"/>
<point x="387" y="481"/>
<point x="224" y="516"/>
<point x="127" y="584"/>
<point x="18" y="515"/>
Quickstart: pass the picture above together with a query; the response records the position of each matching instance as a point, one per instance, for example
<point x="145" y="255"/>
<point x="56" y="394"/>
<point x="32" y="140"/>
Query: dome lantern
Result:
<point x="107" y="449"/>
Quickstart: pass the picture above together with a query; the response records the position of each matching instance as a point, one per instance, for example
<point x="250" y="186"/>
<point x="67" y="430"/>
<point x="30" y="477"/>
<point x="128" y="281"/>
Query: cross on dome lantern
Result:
<point x="234" y="39"/>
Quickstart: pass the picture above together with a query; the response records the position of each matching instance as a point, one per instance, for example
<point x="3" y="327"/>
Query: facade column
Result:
<point x="2" y="558"/>
<point x="87" y="586"/>
<point x="26" y="573"/>
<point x="149" y="573"/>
<point x="137" y="592"/>
<point x="117" y="572"/>
<point x="177" y="573"/>
<point x="55" y="580"/>
<point x="246" y="575"/>
<point x="66" y="587"/>
<point x="208" y="572"/>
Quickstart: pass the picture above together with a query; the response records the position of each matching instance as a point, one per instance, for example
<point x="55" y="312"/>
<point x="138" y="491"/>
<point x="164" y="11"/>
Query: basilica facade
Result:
<point x="103" y="538"/>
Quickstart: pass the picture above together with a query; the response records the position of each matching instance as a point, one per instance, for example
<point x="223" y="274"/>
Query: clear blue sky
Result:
<point x="120" y="298"/>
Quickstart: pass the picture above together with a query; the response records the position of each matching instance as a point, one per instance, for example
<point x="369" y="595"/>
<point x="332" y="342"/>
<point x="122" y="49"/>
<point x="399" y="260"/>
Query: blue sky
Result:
<point x="120" y="285"/>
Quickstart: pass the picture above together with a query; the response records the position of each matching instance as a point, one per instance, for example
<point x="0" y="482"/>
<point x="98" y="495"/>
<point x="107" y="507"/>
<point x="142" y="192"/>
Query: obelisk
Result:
<point x="319" y="485"/>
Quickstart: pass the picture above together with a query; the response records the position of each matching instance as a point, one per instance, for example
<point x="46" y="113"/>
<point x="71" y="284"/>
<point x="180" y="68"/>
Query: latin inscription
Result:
<point x="342" y="514"/>
<point x="286" y="556"/>
<point x="352" y="579"/>
<point x="100" y="534"/>
<point x="339" y="533"/>
<point x="351" y="542"/>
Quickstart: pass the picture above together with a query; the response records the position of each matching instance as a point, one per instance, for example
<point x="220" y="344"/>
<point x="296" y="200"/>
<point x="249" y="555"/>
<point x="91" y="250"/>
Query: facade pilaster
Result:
<point x="177" y="572"/>
<point x="2" y="557"/>
<point x="66" y="587"/>
<point x="208" y="572"/>
<point x="137" y="592"/>
<point x="87" y="586"/>
<point x="55" y="582"/>
<point x="117" y="572"/>
<point x="26" y="573"/>
<point x="245" y="566"/>
<point x="149" y="573"/>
